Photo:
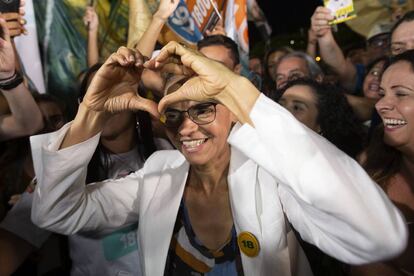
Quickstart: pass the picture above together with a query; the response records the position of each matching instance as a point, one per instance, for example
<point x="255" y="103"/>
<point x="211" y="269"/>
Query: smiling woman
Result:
<point x="390" y="156"/>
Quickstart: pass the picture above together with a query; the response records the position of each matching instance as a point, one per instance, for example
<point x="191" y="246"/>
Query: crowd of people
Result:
<point x="175" y="164"/>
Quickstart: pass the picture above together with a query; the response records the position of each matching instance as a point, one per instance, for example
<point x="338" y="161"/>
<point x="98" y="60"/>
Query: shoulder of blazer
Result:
<point x="163" y="159"/>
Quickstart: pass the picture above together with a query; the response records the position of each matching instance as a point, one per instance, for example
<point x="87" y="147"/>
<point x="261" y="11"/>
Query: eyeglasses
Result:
<point x="200" y="114"/>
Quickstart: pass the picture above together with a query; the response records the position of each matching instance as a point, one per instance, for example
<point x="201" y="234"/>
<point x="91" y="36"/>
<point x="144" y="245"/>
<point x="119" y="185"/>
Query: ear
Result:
<point x="237" y="69"/>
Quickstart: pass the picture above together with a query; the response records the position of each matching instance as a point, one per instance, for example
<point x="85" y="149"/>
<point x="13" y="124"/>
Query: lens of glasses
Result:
<point x="200" y="114"/>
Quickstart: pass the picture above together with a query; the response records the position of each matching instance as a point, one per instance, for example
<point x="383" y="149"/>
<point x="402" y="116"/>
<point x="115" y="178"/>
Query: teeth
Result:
<point x="193" y="143"/>
<point x="373" y="87"/>
<point x="394" y="122"/>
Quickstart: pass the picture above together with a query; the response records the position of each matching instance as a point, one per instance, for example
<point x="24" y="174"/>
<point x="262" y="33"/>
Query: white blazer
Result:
<point x="278" y="169"/>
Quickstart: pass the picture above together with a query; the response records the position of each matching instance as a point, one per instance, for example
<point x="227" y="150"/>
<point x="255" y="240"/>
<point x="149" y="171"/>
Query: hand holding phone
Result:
<point x="7" y="6"/>
<point x="12" y="11"/>
<point x="7" y="60"/>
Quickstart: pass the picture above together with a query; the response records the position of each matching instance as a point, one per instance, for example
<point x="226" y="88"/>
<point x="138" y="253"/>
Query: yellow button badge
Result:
<point x="248" y="244"/>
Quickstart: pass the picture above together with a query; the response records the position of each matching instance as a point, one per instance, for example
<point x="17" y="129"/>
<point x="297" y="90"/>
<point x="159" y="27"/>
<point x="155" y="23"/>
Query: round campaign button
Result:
<point x="248" y="244"/>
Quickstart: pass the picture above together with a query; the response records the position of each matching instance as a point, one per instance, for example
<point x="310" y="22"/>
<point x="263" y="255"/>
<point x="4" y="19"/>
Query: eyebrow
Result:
<point x="296" y="70"/>
<point x="397" y="43"/>
<point x="300" y="102"/>
<point x="402" y="86"/>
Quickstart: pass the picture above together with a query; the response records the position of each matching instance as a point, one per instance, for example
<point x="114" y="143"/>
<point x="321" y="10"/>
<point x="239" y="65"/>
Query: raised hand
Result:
<point x="320" y="21"/>
<point x="7" y="60"/>
<point x="218" y="29"/>
<point x="166" y="8"/>
<point x="91" y="19"/>
<point x="15" y="21"/>
<point x="114" y="87"/>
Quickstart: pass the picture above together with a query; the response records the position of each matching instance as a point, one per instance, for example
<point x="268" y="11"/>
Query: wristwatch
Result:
<point x="11" y="82"/>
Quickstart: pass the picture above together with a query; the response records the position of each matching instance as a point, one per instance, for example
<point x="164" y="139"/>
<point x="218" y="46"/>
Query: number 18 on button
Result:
<point x="248" y="244"/>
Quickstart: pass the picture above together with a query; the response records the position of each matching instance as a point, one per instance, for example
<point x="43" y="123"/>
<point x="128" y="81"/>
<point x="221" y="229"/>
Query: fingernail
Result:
<point x="163" y="119"/>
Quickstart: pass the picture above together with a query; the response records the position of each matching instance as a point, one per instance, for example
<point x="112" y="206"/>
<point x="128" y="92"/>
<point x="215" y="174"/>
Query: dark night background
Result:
<point x="290" y="20"/>
<point x="288" y="15"/>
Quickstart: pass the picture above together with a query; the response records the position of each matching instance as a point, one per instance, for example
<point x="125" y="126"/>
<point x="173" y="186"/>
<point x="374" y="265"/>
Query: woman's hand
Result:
<point x="7" y="60"/>
<point x="90" y="19"/>
<point x="166" y="8"/>
<point x="15" y="21"/>
<point x="320" y="21"/>
<point x="114" y="87"/>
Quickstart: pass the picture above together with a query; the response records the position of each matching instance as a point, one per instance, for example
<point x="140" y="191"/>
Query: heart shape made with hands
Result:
<point x="208" y="78"/>
<point x="114" y="86"/>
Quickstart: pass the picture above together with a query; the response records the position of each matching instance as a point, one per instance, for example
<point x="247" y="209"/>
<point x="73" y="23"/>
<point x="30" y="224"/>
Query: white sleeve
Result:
<point x="63" y="203"/>
<point x="18" y="222"/>
<point x="326" y="195"/>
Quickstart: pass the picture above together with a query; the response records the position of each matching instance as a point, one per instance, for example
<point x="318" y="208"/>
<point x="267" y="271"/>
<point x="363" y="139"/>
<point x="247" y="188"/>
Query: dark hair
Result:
<point x="407" y="56"/>
<point x="383" y="161"/>
<point x="336" y="118"/>
<point x="221" y="40"/>
<point x="85" y="80"/>
<point x="374" y="62"/>
<point x="407" y="17"/>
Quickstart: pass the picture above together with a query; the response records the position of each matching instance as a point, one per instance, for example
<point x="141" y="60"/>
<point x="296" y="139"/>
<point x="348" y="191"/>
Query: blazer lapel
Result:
<point x="157" y="221"/>
<point x="246" y="205"/>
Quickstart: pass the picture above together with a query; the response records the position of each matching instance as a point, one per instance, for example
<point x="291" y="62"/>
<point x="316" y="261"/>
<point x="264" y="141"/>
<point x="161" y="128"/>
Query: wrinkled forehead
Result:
<point x="291" y="64"/>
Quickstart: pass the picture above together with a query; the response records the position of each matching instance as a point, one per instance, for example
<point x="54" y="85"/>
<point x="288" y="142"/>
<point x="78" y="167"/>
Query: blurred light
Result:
<point x="318" y="58"/>
<point x="292" y="42"/>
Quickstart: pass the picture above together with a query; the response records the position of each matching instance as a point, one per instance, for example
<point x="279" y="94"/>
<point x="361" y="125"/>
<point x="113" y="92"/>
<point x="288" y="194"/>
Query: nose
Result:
<point x="187" y="126"/>
<point x="384" y="104"/>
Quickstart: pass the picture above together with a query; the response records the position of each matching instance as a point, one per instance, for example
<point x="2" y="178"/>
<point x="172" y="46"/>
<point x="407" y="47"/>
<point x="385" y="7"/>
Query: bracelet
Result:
<point x="11" y="82"/>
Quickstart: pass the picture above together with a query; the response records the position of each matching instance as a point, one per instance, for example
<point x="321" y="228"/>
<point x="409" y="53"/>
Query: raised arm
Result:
<point x="312" y="46"/>
<point x="330" y="51"/>
<point x="147" y="42"/>
<point x="25" y="118"/>
<point x="91" y="21"/>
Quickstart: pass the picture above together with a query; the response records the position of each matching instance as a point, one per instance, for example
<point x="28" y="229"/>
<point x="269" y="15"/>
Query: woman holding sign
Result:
<point x="222" y="203"/>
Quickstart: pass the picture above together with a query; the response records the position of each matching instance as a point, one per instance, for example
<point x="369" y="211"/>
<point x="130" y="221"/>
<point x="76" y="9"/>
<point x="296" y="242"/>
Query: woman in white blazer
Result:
<point x="244" y="169"/>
